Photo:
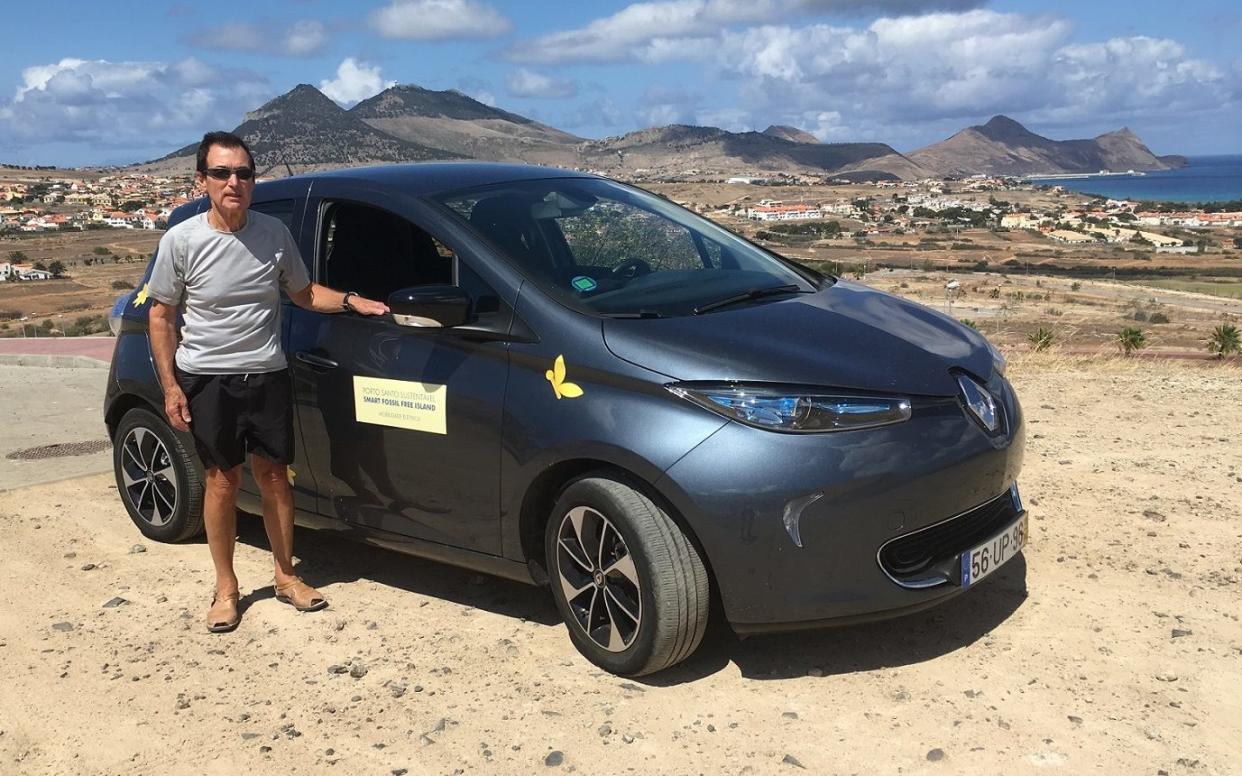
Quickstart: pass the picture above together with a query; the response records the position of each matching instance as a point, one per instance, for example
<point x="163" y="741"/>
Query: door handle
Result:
<point x="315" y="361"/>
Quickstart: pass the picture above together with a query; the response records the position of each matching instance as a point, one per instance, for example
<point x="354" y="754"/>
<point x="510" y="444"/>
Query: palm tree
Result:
<point x="1131" y="339"/>
<point x="1224" y="340"/>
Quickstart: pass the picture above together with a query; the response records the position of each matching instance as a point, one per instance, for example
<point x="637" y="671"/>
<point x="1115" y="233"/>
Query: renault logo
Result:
<point x="979" y="402"/>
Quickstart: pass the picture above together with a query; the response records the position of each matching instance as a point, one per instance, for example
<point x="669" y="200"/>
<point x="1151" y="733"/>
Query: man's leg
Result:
<point x="273" y="480"/>
<point x="220" y="519"/>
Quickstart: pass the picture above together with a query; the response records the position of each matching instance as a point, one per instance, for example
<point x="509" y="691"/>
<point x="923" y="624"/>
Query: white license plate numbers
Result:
<point x="980" y="561"/>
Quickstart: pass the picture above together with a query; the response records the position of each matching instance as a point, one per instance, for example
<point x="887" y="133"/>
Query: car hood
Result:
<point x="845" y="336"/>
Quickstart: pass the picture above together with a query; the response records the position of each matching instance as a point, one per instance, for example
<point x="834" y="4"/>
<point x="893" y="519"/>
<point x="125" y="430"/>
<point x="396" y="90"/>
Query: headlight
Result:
<point x="998" y="359"/>
<point x="803" y="412"/>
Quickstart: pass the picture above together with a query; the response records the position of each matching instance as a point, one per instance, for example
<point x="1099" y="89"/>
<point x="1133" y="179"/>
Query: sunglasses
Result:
<point x="224" y="173"/>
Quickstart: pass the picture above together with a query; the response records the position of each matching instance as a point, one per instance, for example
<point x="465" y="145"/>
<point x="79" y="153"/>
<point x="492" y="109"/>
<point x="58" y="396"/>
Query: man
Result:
<point x="228" y="381"/>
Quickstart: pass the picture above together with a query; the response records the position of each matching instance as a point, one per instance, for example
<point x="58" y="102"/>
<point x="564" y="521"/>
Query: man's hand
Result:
<point x="364" y="306"/>
<point x="322" y="299"/>
<point x="177" y="408"/>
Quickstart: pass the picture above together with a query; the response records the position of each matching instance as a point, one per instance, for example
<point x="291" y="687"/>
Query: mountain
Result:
<point x="1002" y="146"/>
<point x="452" y="121"/>
<point x="306" y="130"/>
<point x="678" y="148"/>
<point x="790" y="133"/>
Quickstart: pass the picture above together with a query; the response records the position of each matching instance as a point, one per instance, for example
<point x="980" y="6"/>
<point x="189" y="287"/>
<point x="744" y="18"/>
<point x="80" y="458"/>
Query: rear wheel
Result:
<point x="158" y="478"/>
<point x="630" y="585"/>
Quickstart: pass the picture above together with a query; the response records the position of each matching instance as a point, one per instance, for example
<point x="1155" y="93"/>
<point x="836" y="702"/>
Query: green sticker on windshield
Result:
<point x="583" y="284"/>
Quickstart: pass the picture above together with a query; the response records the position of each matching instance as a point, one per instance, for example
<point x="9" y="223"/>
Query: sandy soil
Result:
<point x="1112" y="646"/>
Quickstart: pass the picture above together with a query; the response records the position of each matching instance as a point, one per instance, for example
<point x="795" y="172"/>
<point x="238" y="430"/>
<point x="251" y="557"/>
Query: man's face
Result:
<point x="230" y="196"/>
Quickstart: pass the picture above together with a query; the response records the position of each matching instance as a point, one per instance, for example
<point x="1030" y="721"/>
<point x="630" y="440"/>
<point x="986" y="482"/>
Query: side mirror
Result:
<point x="430" y="306"/>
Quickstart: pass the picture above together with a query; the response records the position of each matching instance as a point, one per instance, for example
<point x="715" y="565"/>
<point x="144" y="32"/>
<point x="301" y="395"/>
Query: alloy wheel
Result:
<point x="598" y="577"/>
<point x="148" y="477"/>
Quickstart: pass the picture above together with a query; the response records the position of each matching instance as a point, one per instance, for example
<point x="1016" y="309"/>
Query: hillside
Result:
<point x="679" y="148"/>
<point x="456" y="123"/>
<point x="1002" y="146"/>
<point x="306" y="130"/>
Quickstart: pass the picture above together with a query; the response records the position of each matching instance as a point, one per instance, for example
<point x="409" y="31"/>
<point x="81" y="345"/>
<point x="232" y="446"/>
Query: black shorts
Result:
<point x="235" y="414"/>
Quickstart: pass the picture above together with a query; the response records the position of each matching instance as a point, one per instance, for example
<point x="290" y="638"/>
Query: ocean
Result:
<point x="1203" y="179"/>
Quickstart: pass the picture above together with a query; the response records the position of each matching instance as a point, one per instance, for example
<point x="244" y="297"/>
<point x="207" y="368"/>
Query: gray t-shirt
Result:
<point x="228" y="287"/>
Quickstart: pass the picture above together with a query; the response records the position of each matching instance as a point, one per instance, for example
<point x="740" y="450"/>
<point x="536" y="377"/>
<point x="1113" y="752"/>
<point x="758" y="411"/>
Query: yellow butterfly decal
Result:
<point x="141" y="296"/>
<point x="556" y="376"/>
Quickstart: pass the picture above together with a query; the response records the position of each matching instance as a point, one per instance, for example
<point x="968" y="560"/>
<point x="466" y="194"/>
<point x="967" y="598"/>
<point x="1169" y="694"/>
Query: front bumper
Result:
<point x="793" y="525"/>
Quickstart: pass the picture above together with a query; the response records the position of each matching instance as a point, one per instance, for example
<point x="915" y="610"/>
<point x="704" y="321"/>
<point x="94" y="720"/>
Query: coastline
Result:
<point x="1202" y="181"/>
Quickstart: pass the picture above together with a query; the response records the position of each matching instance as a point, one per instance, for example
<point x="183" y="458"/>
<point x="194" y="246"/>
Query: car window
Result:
<point x="374" y="252"/>
<point x="612" y="249"/>
<point x="277" y="208"/>
<point x="613" y="233"/>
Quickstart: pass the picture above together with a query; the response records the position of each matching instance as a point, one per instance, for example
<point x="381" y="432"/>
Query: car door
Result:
<point x="402" y="425"/>
<point x="286" y="201"/>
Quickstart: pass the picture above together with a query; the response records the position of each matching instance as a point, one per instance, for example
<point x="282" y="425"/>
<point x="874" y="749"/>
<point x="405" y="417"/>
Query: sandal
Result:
<point x="300" y="596"/>
<point x="223" y="617"/>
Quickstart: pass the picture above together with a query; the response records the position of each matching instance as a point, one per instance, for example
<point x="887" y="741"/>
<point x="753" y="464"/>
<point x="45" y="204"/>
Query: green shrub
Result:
<point x="1224" y="340"/>
<point x="1041" y="339"/>
<point x="1158" y="318"/>
<point x="1131" y="339"/>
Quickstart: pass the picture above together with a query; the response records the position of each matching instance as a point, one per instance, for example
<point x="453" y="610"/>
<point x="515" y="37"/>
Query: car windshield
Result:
<point x="614" y="250"/>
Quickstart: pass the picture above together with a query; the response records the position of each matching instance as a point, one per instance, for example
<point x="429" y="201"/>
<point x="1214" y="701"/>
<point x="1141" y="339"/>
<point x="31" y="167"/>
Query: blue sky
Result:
<point x="119" y="82"/>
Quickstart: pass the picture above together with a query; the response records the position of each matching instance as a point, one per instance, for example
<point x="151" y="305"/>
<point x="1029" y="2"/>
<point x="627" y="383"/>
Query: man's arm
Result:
<point x="322" y="299"/>
<point x="162" y="323"/>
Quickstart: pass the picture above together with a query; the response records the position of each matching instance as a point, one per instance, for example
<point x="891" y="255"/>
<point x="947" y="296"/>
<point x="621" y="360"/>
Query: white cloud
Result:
<point x="355" y="81"/>
<point x="900" y="73"/>
<point x="125" y="104"/>
<point x="600" y="113"/>
<point x="438" y="20"/>
<point x="527" y="83"/>
<point x="304" y="38"/>
<point x="661" y="105"/>
<point x="730" y="119"/>
<point x="887" y="7"/>
<point x="640" y="31"/>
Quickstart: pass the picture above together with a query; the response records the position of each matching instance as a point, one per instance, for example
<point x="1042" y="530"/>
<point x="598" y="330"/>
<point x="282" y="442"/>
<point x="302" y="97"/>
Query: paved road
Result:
<point x="57" y="351"/>
<point x="51" y="406"/>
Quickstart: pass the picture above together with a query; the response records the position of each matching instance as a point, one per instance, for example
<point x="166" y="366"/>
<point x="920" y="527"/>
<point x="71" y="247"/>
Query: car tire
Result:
<point x="631" y="587"/>
<point x="158" y="478"/>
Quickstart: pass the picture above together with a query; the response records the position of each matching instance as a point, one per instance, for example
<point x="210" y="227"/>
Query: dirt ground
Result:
<point x="87" y="289"/>
<point x="1111" y="646"/>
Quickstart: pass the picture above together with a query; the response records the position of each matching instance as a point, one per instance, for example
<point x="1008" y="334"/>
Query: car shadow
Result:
<point x="330" y="558"/>
<point x="915" y="638"/>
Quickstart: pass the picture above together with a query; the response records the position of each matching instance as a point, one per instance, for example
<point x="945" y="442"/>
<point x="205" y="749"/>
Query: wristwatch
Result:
<point x="345" y="300"/>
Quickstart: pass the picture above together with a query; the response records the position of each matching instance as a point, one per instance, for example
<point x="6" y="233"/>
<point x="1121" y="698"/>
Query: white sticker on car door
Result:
<point x="401" y="404"/>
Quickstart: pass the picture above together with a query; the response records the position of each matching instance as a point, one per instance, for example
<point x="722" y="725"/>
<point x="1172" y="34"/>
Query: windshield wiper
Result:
<point x="746" y="296"/>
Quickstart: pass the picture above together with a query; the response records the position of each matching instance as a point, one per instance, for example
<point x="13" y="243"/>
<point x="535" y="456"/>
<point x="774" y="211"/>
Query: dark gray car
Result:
<point x="584" y="385"/>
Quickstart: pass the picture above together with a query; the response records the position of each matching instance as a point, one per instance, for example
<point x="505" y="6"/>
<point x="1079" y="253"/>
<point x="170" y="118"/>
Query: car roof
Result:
<point x="419" y="179"/>
<point x="431" y="178"/>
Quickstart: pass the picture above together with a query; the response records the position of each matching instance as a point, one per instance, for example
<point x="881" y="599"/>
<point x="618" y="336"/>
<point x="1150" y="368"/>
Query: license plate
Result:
<point x="987" y="557"/>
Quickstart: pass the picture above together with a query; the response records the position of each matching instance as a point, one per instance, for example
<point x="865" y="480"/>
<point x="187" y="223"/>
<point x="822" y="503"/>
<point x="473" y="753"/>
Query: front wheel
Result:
<point x="630" y="585"/>
<point x="158" y="478"/>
